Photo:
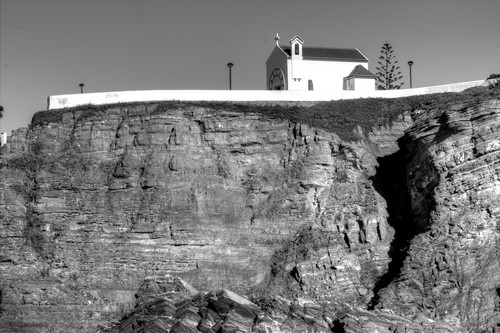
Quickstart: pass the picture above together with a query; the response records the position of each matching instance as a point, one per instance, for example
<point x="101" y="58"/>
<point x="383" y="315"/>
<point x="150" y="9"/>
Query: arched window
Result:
<point x="297" y="48"/>
<point x="277" y="80"/>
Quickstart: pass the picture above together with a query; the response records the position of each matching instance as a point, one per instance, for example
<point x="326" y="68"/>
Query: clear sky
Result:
<point x="47" y="47"/>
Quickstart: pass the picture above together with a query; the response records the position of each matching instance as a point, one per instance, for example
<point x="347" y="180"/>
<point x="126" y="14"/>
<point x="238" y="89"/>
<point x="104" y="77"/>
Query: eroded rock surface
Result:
<point x="378" y="235"/>
<point x="452" y="272"/>
<point x="169" y="304"/>
<point x="223" y="199"/>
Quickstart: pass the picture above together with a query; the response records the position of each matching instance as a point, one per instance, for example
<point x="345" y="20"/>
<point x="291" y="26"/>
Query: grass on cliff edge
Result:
<point x="341" y="117"/>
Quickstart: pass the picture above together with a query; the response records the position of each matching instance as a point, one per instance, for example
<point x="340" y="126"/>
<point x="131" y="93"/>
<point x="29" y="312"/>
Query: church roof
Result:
<point x="321" y="53"/>
<point x="361" y="71"/>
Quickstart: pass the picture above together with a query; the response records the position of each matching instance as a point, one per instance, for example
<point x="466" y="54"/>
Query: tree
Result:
<point x="388" y="73"/>
<point x="1" y="111"/>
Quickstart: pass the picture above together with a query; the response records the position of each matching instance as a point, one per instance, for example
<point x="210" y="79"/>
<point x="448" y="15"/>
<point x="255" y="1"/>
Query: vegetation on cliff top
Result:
<point x="341" y="117"/>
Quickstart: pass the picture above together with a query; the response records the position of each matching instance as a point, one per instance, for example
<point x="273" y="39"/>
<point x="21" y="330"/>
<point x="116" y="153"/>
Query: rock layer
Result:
<point x="396" y="232"/>
<point x="452" y="272"/>
<point x="217" y="197"/>
<point x="169" y="304"/>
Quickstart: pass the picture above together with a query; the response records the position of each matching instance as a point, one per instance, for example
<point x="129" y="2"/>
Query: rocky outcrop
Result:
<point x="169" y="304"/>
<point x="16" y="143"/>
<point x="452" y="270"/>
<point x="220" y="198"/>
<point x="394" y="232"/>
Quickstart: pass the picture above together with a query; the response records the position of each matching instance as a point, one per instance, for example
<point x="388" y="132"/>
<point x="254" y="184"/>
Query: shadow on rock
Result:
<point x="390" y="183"/>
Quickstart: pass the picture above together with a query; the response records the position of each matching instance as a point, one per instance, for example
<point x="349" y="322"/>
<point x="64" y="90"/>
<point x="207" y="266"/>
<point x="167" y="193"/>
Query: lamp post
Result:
<point x="230" y="65"/>
<point x="410" y="63"/>
<point x="81" y="87"/>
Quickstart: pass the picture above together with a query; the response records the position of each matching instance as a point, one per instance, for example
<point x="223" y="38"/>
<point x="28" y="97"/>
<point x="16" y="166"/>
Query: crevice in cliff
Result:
<point x="337" y="326"/>
<point x="390" y="182"/>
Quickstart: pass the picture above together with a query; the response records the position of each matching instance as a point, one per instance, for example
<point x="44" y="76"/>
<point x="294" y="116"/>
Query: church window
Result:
<point x="277" y="80"/>
<point x="310" y="84"/>
<point x="297" y="48"/>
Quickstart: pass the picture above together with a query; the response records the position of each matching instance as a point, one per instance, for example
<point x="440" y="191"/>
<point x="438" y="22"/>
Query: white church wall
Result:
<point x="294" y="78"/>
<point x="364" y="85"/>
<point x="297" y="68"/>
<point x="327" y="75"/>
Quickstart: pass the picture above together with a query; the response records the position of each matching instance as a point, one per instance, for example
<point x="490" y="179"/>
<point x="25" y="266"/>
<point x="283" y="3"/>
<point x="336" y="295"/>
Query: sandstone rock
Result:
<point x="103" y="201"/>
<point x="222" y="312"/>
<point x="451" y="272"/>
<point x="172" y="307"/>
<point x="210" y="195"/>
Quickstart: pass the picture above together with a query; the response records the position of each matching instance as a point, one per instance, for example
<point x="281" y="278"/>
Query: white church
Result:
<point x="298" y="67"/>
<point x="294" y="72"/>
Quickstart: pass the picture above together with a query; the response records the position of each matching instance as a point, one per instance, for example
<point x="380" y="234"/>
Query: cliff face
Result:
<point x="220" y="198"/>
<point x="396" y="231"/>
<point x="452" y="271"/>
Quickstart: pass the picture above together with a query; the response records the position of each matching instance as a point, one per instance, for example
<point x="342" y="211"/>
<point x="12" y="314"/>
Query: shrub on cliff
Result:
<point x="494" y="81"/>
<point x="31" y="163"/>
<point x="45" y="117"/>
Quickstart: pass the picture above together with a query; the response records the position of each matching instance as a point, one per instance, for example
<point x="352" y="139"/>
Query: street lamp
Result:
<point x="410" y="63"/>
<point x="230" y="65"/>
<point x="81" y="87"/>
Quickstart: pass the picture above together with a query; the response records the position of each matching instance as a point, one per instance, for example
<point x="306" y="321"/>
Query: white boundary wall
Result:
<point x="65" y="101"/>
